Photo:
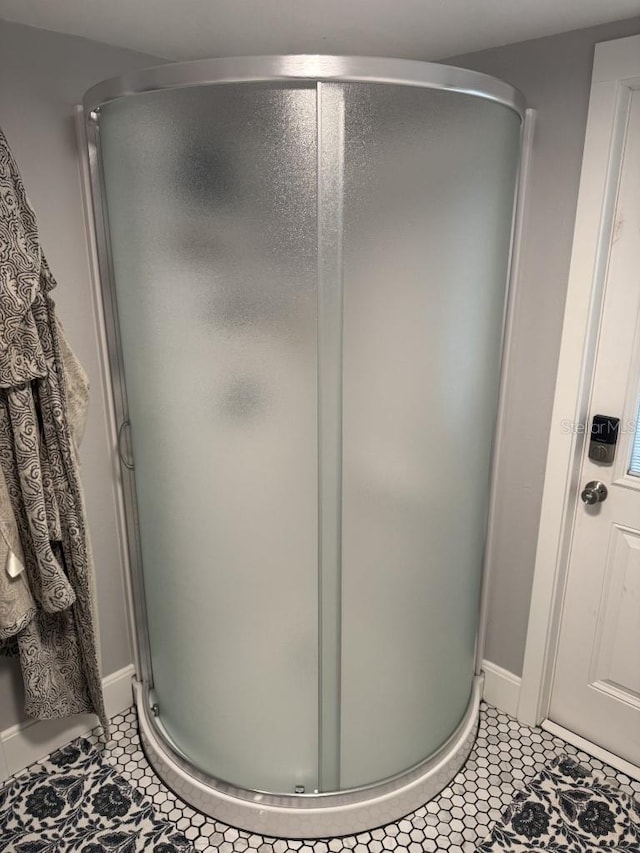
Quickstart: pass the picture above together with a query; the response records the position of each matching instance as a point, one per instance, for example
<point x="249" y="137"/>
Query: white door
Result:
<point x="596" y="686"/>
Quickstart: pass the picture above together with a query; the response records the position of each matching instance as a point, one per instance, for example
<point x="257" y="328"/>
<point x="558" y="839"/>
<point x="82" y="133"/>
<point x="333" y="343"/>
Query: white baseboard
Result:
<point x="25" y="743"/>
<point x="501" y="688"/>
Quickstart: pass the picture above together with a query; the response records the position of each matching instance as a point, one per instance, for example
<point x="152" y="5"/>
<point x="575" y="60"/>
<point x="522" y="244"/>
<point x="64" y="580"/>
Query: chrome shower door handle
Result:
<point x="127" y="464"/>
<point x="594" y="492"/>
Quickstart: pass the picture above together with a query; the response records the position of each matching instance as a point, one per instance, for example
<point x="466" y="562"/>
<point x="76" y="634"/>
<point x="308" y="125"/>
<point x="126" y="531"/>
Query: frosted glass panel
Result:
<point x="310" y="316"/>
<point x="211" y="197"/>
<point x="429" y="184"/>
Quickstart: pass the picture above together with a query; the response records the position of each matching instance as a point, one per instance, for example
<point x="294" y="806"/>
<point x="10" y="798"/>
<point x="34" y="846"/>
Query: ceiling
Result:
<point x="412" y="29"/>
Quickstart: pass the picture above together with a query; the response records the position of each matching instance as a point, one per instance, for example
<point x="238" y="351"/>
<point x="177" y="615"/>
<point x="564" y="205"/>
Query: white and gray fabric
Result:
<point x="567" y="808"/>
<point x="75" y="802"/>
<point x="17" y="606"/>
<point x="43" y="395"/>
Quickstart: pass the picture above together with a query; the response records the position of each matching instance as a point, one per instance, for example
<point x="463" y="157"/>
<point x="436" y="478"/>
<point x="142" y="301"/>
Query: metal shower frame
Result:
<point x="269" y="69"/>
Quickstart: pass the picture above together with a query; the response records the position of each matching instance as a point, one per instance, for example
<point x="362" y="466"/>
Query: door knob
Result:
<point x="594" y="492"/>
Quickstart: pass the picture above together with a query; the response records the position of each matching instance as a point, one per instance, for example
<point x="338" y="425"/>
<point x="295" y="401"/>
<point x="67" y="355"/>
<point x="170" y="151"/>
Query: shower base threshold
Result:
<point x="307" y="815"/>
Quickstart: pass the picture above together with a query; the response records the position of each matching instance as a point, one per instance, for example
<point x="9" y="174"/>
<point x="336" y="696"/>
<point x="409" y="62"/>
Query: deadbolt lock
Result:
<point x="604" y="435"/>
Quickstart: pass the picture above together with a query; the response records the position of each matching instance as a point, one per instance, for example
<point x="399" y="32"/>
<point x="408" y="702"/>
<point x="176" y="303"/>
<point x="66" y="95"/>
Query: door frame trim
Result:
<point x="616" y="72"/>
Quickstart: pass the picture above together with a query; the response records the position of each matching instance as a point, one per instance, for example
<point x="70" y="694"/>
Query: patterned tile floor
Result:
<point x="505" y="755"/>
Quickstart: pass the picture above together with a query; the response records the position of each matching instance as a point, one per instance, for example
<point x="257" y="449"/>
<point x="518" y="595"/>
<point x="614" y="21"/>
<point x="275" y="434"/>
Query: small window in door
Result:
<point x="634" y="465"/>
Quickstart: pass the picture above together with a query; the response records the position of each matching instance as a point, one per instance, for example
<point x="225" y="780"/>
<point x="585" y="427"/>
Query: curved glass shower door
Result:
<point x="211" y="198"/>
<point x="428" y="189"/>
<point x="310" y="281"/>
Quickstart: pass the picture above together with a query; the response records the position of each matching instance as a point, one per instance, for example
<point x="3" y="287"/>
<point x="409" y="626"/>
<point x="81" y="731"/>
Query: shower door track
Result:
<point x="306" y="815"/>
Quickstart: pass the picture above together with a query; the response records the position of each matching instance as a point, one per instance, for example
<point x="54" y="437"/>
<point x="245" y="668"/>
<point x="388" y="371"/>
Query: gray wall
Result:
<point x="554" y="74"/>
<point x="42" y="76"/>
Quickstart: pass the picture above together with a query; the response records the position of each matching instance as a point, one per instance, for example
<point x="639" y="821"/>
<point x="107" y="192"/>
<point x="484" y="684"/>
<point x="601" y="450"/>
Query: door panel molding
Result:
<point x="620" y="695"/>
<point x="622" y="571"/>
<point x="616" y="74"/>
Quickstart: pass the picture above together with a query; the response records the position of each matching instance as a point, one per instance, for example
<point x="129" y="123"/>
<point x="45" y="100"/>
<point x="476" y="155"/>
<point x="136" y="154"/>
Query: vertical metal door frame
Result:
<point x="330" y="129"/>
<point x="511" y="296"/>
<point x="105" y="299"/>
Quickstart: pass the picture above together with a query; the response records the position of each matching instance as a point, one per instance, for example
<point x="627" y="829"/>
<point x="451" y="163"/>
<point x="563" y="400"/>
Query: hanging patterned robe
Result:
<point x="42" y="400"/>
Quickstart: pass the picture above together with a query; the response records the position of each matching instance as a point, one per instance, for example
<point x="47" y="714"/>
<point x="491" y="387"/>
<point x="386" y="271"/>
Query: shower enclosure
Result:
<point x="304" y="263"/>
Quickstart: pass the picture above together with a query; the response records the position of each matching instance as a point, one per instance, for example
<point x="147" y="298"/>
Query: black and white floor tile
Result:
<point x="506" y="755"/>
